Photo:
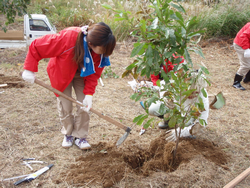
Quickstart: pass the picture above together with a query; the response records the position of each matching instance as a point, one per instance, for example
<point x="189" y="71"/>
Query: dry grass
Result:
<point x="29" y="127"/>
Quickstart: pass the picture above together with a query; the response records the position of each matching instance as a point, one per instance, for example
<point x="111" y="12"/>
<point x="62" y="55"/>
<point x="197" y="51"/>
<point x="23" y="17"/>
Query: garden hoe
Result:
<point x="127" y="129"/>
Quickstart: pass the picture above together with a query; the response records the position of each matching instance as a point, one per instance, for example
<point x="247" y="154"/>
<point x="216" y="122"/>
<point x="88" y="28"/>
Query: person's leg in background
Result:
<point x="243" y="70"/>
<point x="153" y="110"/>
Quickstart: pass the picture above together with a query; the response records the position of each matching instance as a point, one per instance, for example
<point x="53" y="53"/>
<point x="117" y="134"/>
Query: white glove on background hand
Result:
<point x="87" y="102"/>
<point x="156" y="88"/>
<point x="29" y="76"/>
<point x="170" y="135"/>
<point x="247" y="53"/>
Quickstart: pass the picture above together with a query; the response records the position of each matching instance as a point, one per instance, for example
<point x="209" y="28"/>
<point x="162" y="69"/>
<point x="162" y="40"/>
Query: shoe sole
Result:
<point x="66" y="147"/>
<point x="85" y="148"/>
<point x="167" y="127"/>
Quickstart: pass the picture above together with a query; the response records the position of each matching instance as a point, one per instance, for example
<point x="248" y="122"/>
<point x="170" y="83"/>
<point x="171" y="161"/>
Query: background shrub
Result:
<point x="218" y="18"/>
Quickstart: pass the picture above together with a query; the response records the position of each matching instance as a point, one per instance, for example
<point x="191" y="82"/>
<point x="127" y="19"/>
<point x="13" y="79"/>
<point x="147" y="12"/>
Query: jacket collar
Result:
<point x="88" y="63"/>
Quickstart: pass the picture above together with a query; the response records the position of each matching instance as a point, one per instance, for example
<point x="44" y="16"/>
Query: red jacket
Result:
<point x="167" y="67"/>
<point x="61" y="67"/>
<point x="243" y="37"/>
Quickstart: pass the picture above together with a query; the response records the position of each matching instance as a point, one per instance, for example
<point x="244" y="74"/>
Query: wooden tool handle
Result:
<point x="39" y="82"/>
<point x="238" y="179"/>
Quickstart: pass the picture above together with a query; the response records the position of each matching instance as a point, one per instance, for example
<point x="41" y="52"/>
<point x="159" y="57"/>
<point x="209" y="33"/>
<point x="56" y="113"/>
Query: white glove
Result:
<point x="29" y="76"/>
<point x="156" y="88"/>
<point x="247" y="53"/>
<point x="87" y="101"/>
<point x="184" y="133"/>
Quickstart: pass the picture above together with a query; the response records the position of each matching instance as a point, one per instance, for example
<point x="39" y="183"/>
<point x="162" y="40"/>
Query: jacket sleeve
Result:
<point x="154" y="78"/>
<point x="47" y="46"/>
<point x="244" y="39"/>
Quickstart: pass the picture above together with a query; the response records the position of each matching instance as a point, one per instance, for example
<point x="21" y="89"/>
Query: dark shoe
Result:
<point x="239" y="86"/>
<point x="163" y="125"/>
<point x="247" y="78"/>
<point x="237" y="80"/>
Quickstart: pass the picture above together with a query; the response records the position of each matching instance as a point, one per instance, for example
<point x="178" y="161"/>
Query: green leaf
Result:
<point x="119" y="19"/>
<point x="199" y="52"/>
<point x="197" y="33"/>
<point x="150" y="61"/>
<point x="152" y="99"/>
<point x="149" y="52"/>
<point x="187" y="56"/>
<point x="158" y="83"/>
<point x="178" y="7"/>
<point x="204" y="69"/>
<point x="143" y="71"/>
<point x="172" y="37"/>
<point x="136" y="50"/>
<point x="180" y="18"/>
<point x="131" y="66"/>
<point x="204" y="93"/>
<point x="188" y="92"/>
<point x="143" y="28"/>
<point x="106" y="6"/>
<point x="138" y="98"/>
<point x="136" y="119"/>
<point x="218" y="102"/>
<point x="191" y="23"/>
<point x="148" y="123"/>
<point x="140" y="121"/>
<point x="126" y="73"/>
<point x="133" y="97"/>
<point x="202" y="122"/>
<point x="148" y="72"/>
<point x="182" y="24"/>
<point x="172" y="122"/>
<point x="162" y="109"/>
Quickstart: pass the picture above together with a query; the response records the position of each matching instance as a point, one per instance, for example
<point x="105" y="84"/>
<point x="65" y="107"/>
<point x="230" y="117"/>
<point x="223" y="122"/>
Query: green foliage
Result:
<point x="12" y="8"/>
<point x="63" y="13"/>
<point x="166" y="35"/>
<point x="224" y="20"/>
<point x="108" y="73"/>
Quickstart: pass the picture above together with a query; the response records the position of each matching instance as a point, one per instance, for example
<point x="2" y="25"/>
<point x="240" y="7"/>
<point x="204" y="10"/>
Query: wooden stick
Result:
<point x="39" y="82"/>
<point x="238" y="179"/>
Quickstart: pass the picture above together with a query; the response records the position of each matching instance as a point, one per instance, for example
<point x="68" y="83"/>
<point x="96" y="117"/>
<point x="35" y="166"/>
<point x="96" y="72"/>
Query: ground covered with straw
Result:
<point x="30" y="128"/>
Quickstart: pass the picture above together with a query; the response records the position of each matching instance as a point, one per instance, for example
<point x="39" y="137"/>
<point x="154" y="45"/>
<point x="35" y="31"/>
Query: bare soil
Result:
<point x="30" y="127"/>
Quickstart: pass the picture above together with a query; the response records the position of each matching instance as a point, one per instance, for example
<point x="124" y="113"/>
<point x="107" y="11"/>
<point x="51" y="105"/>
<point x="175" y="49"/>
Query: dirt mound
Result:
<point x="11" y="81"/>
<point x="106" y="165"/>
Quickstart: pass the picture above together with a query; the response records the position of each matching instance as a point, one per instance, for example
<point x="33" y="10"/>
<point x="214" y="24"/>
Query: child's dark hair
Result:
<point x="99" y="34"/>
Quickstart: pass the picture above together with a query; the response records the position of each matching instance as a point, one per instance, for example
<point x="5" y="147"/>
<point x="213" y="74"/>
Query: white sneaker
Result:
<point x="82" y="143"/>
<point x="67" y="141"/>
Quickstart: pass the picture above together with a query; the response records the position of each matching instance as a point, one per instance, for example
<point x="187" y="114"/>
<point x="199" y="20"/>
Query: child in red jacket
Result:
<point x="167" y="67"/>
<point x="78" y="57"/>
<point x="242" y="47"/>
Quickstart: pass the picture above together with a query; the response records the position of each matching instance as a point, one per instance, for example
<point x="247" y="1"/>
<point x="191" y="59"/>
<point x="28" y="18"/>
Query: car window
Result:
<point x="38" y="25"/>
